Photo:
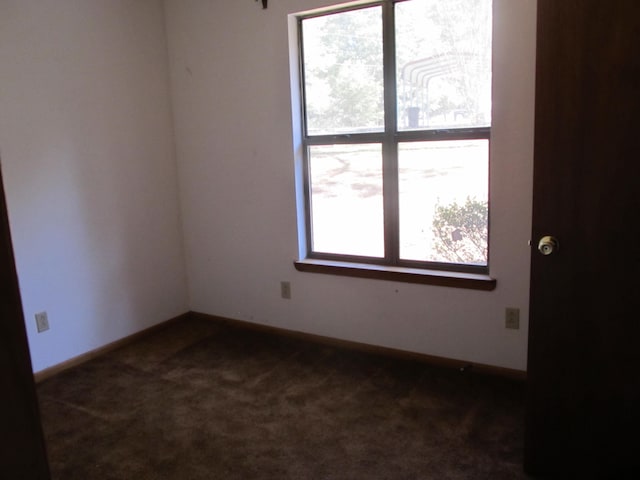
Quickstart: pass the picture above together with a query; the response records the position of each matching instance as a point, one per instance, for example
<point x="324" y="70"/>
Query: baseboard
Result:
<point x="85" y="357"/>
<point x="512" y="374"/>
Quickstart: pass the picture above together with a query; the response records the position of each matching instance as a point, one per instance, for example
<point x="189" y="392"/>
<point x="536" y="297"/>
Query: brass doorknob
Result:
<point x="548" y="245"/>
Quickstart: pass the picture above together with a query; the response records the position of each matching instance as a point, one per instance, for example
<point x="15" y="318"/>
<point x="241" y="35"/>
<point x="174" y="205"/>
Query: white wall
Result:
<point x="87" y="151"/>
<point x="86" y="142"/>
<point x="232" y="114"/>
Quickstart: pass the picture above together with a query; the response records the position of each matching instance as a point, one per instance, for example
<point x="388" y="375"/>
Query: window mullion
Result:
<point x="390" y="145"/>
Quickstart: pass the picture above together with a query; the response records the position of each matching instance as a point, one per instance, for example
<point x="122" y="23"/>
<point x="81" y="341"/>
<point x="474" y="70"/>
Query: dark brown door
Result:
<point x="583" y="406"/>
<point x="22" y="451"/>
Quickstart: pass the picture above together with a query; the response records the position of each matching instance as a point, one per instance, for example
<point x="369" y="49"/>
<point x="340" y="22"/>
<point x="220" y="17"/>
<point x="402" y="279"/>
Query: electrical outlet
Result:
<point x="512" y="318"/>
<point x="42" y="322"/>
<point x="285" y="290"/>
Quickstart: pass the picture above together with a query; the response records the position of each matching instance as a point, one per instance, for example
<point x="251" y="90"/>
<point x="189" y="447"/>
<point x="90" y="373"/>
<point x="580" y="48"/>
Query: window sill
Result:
<point x="398" y="274"/>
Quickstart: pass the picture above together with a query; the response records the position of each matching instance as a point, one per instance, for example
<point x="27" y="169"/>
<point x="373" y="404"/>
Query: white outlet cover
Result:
<point x="42" y="322"/>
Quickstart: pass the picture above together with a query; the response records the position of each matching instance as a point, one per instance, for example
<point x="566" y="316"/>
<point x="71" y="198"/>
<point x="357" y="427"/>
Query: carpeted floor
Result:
<point x="201" y="400"/>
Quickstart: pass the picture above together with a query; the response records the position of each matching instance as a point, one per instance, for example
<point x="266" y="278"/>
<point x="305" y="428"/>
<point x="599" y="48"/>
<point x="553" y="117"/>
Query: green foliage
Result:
<point x="344" y="63"/>
<point x="348" y="66"/>
<point x="461" y="231"/>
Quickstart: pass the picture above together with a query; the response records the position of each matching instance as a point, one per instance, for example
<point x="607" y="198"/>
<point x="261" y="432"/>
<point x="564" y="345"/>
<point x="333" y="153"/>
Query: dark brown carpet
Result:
<point x="201" y="400"/>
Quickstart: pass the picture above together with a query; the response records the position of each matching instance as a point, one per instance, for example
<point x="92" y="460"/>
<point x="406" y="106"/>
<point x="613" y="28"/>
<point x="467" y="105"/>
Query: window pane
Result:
<point x="346" y="199"/>
<point x="443" y="51"/>
<point x="444" y="201"/>
<point x="343" y="72"/>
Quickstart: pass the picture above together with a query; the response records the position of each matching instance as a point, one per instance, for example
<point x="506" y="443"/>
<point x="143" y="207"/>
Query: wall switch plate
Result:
<point x="512" y="318"/>
<point x="42" y="322"/>
<point x="285" y="290"/>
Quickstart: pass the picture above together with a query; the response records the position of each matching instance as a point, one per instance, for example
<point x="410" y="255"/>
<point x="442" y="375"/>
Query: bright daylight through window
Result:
<point x="396" y="126"/>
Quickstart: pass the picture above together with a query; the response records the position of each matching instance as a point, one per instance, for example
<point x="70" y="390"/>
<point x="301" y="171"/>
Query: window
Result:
<point x="396" y="117"/>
